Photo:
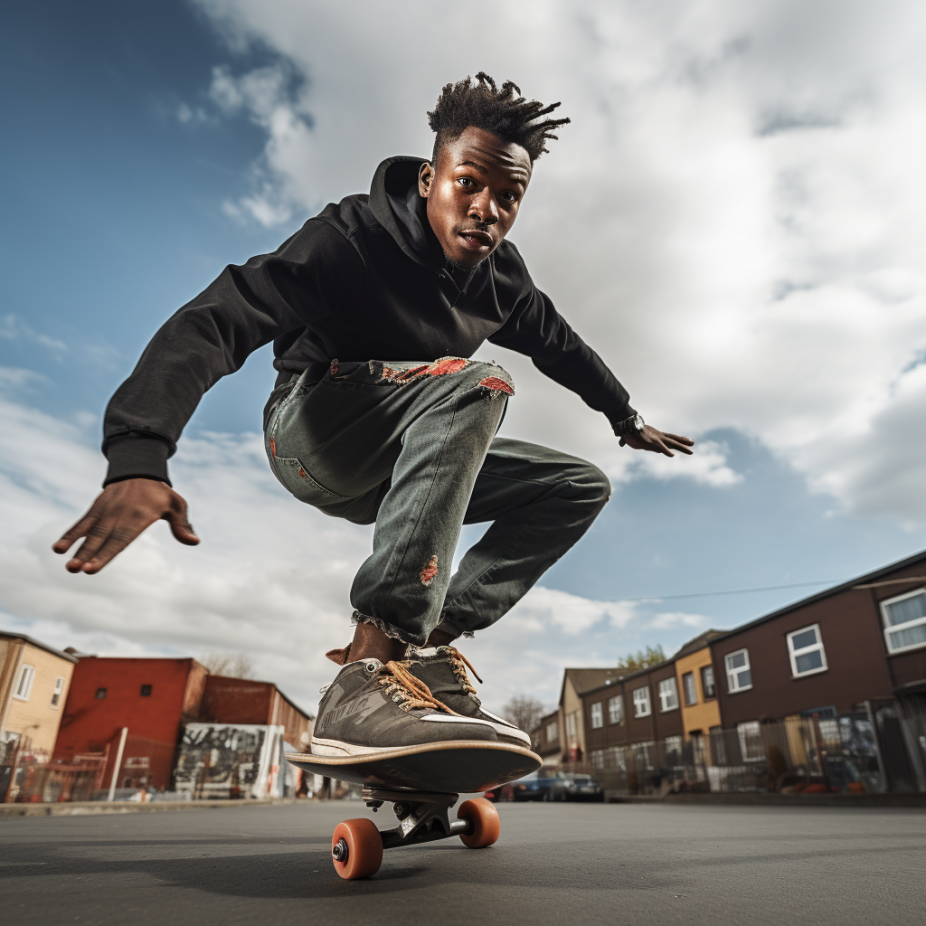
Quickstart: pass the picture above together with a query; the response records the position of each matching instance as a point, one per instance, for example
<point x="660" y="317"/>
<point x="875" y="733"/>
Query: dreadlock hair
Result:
<point x="503" y="112"/>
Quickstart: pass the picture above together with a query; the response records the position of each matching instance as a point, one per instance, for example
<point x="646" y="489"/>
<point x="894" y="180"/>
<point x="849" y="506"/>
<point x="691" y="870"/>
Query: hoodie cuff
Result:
<point x="137" y="457"/>
<point x="618" y="419"/>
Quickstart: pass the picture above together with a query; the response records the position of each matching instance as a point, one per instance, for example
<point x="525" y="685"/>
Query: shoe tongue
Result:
<point x="429" y="651"/>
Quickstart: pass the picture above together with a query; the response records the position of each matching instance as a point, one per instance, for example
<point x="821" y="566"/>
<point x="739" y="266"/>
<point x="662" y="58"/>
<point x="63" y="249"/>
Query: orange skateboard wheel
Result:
<point x="484" y="819"/>
<point x="356" y="849"/>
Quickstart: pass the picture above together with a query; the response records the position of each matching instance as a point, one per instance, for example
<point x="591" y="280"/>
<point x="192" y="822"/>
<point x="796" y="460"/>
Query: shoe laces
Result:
<point x="409" y="691"/>
<point x="459" y="663"/>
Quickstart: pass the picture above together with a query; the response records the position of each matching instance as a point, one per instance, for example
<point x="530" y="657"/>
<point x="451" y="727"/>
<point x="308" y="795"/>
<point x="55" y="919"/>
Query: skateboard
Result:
<point x="422" y="783"/>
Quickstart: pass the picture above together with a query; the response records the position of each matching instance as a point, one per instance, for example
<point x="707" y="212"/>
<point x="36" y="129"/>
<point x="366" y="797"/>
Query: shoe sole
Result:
<point x="460" y="766"/>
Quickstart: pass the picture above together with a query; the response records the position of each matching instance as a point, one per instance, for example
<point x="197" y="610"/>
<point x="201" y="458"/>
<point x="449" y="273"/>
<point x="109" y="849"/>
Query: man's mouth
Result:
<point x="476" y="240"/>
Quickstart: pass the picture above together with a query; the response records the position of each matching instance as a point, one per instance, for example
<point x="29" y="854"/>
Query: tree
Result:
<point x="231" y="665"/>
<point x="634" y="662"/>
<point x="523" y="712"/>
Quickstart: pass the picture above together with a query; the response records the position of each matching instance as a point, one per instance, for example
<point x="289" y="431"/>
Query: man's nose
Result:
<point x="484" y="208"/>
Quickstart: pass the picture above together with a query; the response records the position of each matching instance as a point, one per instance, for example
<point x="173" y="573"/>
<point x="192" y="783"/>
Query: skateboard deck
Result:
<point x="422" y="783"/>
<point x="447" y="767"/>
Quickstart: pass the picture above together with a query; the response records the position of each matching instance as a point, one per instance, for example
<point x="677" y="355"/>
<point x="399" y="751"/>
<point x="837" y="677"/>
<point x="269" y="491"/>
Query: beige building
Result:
<point x="34" y="681"/>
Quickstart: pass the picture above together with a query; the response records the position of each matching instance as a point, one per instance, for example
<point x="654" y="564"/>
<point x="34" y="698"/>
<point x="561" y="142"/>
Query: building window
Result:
<point x="707" y="682"/>
<point x="668" y="695"/>
<point x="571" y="726"/>
<point x="688" y="687"/>
<point x="905" y="621"/>
<point x="750" y="742"/>
<point x="56" y="694"/>
<point x="739" y="677"/>
<point x="100" y="694"/>
<point x="596" y="758"/>
<point x="597" y="716"/>
<point x="24" y="684"/>
<point x="641" y="753"/>
<point x="616" y="709"/>
<point x="641" y="702"/>
<point x="552" y="732"/>
<point x="805" y="648"/>
<point x="146" y="691"/>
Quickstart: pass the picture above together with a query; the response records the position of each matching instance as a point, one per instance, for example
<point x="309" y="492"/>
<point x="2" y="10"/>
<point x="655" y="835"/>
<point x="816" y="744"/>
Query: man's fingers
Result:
<point x="114" y="544"/>
<point x="180" y="525"/>
<point x="682" y="444"/>
<point x="71" y="536"/>
<point x="95" y="535"/>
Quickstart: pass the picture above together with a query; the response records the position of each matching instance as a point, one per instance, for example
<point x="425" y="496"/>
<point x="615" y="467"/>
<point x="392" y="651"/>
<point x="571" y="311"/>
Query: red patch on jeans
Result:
<point x="273" y="446"/>
<point x="302" y="473"/>
<point x="497" y="385"/>
<point x="448" y="365"/>
<point x="429" y="573"/>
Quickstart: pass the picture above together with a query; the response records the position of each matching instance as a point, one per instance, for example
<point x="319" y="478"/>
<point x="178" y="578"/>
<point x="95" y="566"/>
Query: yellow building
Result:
<point x="697" y="685"/>
<point x="34" y="680"/>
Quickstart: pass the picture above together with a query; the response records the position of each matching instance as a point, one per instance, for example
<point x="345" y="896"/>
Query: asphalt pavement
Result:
<point x="555" y="863"/>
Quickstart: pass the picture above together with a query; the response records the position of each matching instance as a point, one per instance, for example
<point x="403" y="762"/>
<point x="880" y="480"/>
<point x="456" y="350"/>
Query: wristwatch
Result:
<point x="632" y="425"/>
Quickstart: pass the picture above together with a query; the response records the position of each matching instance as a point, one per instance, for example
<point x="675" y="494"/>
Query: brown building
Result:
<point x="545" y="739"/>
<point x="634" y="710"/>
<point x="572" y="728"/>
<point x="861" y="641"/>
<point x="697" y="685"/>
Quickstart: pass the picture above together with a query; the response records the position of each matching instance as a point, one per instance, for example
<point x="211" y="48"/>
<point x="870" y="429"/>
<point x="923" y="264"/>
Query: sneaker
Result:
<point x="443" y="670"/>
<point x="371" y="708"/>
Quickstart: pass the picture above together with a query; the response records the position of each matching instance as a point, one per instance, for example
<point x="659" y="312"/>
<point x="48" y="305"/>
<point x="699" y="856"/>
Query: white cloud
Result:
<point x="13" y="328"/>
<point x="733" y="219"/>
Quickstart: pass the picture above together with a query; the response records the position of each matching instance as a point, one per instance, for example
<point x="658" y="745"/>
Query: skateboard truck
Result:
<point x="422" y="816"/>
<point x="357" y="845"/>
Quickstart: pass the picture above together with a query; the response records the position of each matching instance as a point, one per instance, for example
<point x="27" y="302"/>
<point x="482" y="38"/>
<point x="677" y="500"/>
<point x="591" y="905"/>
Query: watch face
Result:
<point x="638" y="422"/>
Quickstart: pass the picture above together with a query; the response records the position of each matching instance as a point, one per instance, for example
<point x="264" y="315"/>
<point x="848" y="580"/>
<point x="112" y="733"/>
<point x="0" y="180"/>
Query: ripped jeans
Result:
<point x="412" y="447"/>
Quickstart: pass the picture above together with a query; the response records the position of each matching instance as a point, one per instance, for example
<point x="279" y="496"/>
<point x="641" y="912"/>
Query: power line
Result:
<point x="738" y="591"/>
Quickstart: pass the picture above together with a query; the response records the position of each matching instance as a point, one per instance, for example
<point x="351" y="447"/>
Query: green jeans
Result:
<point x="412" y="447"/>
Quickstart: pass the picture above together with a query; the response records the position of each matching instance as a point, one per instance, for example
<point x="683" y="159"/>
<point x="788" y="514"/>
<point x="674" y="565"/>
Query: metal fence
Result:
<point x="881" y="748"/>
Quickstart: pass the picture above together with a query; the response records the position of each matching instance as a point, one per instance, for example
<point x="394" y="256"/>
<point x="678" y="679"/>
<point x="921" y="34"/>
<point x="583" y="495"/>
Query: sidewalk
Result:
<point x="97" y="807"/>
<point x="757" y="798"/>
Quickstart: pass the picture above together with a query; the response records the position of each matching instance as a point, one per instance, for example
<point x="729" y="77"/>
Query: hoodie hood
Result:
<point x="398" y="207"/>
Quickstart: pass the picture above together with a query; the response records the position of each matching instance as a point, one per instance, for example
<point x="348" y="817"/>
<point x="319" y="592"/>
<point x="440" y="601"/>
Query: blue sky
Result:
<point x="128" y="170"/>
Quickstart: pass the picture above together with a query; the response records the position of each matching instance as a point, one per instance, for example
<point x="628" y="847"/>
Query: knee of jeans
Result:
<point x="595" y="482"/>
<point x="494" y="378"/>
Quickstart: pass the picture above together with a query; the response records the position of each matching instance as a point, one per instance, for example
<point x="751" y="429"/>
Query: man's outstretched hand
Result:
<point x="658" y="441"/>
<point x="121" y="512"/>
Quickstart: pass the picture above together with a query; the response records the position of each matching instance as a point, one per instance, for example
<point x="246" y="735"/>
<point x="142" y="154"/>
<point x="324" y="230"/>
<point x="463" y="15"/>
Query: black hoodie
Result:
<point x="365" y="279"/>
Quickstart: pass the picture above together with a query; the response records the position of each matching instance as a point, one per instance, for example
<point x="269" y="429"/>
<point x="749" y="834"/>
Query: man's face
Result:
<point x="473" y="192"/>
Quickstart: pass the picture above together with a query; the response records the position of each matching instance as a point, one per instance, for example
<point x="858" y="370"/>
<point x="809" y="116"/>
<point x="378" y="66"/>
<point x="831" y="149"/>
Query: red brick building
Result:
<point x="153" y="698"/>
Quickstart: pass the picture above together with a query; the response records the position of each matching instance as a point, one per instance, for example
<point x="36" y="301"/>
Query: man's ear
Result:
<point x="425" y="178"/>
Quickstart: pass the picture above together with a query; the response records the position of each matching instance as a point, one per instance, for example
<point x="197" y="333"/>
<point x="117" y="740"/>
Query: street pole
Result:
<point x="112" y="783"/>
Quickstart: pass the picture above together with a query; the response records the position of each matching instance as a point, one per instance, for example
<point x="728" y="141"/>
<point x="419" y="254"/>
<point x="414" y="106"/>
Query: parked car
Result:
<point x="532" y="787"/>
<point x="573" y="786"/>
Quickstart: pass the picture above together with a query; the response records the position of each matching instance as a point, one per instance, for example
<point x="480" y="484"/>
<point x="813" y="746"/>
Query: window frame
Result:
<point x="56" y="694"/>
<point x="736" y="671"/>
<point x="909" y="625"/>
<point x="671" y="689"/>
<point x="704" y="694"/>
<point x="23" y="689"/>
<point x="641" y="702"/>
<point x="597" y="716"/>
<point x="694" y="689"/>
<point x="806" y="650"/>
<point x="553" y="731"/>
<point x="617" y="700"/>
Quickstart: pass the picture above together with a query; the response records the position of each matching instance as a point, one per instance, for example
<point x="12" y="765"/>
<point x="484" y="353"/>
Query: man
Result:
<point x="401" y="287"/>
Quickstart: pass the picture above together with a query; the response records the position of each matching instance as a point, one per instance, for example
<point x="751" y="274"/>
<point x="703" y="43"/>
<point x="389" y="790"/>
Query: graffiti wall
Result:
<point x="229" y="761"/>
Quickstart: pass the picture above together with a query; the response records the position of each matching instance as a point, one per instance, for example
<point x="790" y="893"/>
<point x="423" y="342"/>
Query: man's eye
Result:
<point x="509" y="197"/>
<point x="465" y="181"/>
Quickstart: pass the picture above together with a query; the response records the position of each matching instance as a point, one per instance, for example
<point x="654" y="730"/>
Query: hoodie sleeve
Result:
<point x="536" y="329"/>
<point x="246" y="307"/>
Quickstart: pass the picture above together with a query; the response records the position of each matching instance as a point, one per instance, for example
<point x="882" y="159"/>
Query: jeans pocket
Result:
<point x="300" y="483"/>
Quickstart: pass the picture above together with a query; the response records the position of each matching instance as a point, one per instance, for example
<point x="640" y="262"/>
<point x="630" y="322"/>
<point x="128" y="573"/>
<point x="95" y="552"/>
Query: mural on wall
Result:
<point x="229" y="760"/>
